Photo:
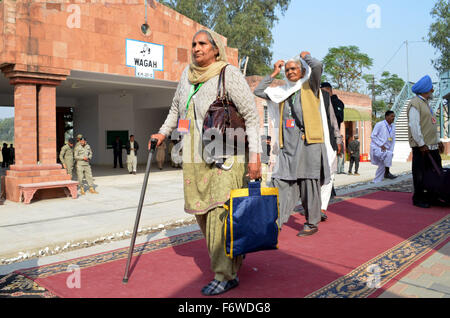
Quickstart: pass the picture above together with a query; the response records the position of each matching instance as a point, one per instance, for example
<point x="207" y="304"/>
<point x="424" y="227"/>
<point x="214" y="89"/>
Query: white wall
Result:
<point x="138" y="114"/>
<point x="85" y="122"/>
<point x="116" y="113"/>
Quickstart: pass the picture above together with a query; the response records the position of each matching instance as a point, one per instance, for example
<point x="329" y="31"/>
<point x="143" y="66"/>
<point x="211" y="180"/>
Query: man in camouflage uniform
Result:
<point x="83" y="155"/>
<point x="79" y="136"/>
<point x="66" y="156"/>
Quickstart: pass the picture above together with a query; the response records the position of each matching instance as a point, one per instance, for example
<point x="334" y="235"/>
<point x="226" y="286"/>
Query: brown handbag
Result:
<point x="223" y="118"/>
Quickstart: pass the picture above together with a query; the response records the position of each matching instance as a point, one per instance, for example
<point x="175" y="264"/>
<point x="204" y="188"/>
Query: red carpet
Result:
<point x="358" y="231"/>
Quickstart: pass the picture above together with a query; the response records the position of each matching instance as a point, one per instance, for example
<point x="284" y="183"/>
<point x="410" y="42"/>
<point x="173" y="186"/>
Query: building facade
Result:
<point x="102" y="67"/>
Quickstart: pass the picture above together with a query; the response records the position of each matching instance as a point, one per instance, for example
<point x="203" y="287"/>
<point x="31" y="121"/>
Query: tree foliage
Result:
<point x="7" y="129"/>
<point x="383" y="91"/>
<point x="345" y="65"/>
<point x="246" y="23"/>
<point x="439" y="33"/>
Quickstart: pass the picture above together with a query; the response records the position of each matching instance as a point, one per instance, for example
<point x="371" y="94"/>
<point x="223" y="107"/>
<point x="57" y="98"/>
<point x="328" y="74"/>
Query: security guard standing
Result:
<point x="79" y="136"/>
<point x="83" y="155"/>
<point x="66" y="156"/>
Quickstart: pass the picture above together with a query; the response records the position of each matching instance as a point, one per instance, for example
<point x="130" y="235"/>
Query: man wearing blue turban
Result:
<point x="423" y="139"/>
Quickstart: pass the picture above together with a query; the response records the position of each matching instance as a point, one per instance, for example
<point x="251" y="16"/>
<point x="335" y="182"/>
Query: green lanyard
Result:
<point x="193" y="92"/>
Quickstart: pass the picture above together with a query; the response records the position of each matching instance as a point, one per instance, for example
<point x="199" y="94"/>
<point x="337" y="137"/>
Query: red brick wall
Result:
<point x="25" y="135"/>
<point x="47" y="124"/>
<point x="38" y="34"/>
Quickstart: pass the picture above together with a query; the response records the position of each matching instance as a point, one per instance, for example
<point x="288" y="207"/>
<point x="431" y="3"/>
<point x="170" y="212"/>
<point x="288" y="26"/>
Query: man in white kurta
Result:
<point x="382" y="147"/>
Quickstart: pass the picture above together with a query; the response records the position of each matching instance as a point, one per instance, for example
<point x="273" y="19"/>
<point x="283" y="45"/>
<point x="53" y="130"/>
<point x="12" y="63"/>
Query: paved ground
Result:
<point x="431" y="279"/>
<point x="54" y="230"/>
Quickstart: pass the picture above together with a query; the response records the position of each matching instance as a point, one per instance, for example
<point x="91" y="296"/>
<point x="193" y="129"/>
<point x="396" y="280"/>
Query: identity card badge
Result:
<point x="290" y="123"/>
<point x="183" y="126"/>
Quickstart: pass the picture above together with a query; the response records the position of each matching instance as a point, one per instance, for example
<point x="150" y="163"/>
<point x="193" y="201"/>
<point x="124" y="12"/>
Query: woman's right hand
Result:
<point x="159" y="137"/>
<point x="277" y="68"/>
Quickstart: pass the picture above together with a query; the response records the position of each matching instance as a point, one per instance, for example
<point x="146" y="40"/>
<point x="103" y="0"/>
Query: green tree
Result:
<point x="246" y="23"/>
<point x="439" y="33"/>
<point x="345" y="65"/>
<point x="390" y="87"/>
<point x="383" y="91"/>
<point x="7" y="129"/>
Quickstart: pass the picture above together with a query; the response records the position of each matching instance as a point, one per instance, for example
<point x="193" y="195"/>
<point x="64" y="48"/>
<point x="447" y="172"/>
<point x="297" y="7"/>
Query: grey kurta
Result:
<point x="298" y="159"/>
<point x="300" y="167"/>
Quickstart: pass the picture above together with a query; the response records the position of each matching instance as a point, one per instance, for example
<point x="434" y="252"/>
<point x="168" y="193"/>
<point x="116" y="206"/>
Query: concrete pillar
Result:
<point x="47" y="124"/>
<point x="25" y="112"/>
<point x="34" y="131"/>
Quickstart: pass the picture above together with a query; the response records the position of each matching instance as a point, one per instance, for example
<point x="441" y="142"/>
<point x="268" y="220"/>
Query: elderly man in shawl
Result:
<point x="298" y="112"/>
<point x="207" y="186"/>
<point x="423" y="139"/>
<point x="382" y="147"/>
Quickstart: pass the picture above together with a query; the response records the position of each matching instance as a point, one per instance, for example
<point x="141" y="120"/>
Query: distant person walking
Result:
<point x="353" y="150"/>
<point x="132" y="148"/>
<point x="66" y="156"/>
<point x="117" y="149"/>
<point x="382" y="147"/>
<point x="12" y="154"/>
<point x="5" y="154"/>
<point x="83" y="156"/>
<point x="341" y="159"/>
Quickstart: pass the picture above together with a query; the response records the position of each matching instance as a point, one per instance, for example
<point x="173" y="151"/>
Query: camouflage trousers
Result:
<point x="84" y="171"/>
<point x="69" y="168"/>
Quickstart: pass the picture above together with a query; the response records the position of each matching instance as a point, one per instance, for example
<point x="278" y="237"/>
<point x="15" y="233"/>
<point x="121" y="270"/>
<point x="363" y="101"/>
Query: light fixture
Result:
<point x="145" y="28"/>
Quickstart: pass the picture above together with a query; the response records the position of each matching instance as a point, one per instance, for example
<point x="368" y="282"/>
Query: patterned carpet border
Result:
<point x="21" y="283"/>
<point x="367" y="278"/>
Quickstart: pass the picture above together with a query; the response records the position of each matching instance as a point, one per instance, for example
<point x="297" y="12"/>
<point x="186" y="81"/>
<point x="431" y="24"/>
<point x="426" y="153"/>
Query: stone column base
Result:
<point x="23" y="174"/>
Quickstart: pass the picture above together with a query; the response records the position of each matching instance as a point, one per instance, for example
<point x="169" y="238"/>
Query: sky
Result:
<point x="316" y="26"/>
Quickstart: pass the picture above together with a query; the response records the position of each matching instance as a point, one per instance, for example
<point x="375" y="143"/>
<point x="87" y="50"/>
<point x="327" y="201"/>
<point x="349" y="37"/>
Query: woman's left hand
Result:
<point x="254" y="166"/>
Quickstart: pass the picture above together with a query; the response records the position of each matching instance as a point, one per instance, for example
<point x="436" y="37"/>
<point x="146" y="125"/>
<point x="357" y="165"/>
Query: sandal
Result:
<point x="216" y="287"/>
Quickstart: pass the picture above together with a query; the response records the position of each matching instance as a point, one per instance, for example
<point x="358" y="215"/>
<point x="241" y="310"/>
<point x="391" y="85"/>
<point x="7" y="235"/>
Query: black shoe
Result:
<point x="307" y="232"/>
<point x="389" y="176"/>
<point x="423" y="205"/>
<point x="440" y="203"/>
<point x="216" y="287"/>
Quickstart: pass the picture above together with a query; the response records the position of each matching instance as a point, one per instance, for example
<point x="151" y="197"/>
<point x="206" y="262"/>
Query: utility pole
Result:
<point x="407" y="62"/>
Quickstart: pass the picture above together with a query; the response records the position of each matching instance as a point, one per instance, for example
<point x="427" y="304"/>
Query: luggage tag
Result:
<point x="183" y="126"/>
<point x="390" y="139"/>
<point x="290" y="123"/>
<point x="433" y="120"/>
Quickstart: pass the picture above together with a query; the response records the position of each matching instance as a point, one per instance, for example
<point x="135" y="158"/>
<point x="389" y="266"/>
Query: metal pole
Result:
<point x="138" y="214"/>
<point x="407" y="62"/>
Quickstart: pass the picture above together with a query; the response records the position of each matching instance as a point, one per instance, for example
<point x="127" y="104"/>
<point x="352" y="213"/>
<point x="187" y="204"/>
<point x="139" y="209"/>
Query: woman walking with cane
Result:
<point x="207" y="186"/>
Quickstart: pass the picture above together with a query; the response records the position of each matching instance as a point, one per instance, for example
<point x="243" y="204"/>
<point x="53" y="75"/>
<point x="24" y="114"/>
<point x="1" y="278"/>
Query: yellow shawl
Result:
<point x="312" y="119"/>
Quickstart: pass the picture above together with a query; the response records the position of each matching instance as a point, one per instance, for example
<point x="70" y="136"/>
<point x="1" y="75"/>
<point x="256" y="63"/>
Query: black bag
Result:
<point x="436" y="181"/>
<point x="223" y="119"/>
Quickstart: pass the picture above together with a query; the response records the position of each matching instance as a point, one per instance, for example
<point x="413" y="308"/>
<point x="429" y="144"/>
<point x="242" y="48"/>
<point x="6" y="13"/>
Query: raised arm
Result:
<point x="266" y="81"/>
<point x="316" y="71"/>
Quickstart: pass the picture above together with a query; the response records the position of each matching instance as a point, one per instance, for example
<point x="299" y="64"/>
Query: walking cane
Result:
<point x="138" y="215"/>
